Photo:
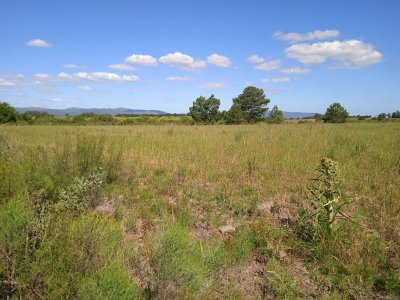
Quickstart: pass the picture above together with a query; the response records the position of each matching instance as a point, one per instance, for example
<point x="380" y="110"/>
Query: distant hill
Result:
<point x="294" y="115"/>
<point x="297" y="115"/>
<point x="73" y="111"/>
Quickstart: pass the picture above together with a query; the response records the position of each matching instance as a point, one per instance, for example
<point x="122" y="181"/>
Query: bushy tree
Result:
<point x="7" y="113"/>
<point x="205" y="110"/>
<point x="396" y="114"/>
<point x="253" y="104"/>
<point x="234" y="116"/>
<point x="275" y="115"/>
<point x="336" y="113"/>
<point x="381" y="117"/>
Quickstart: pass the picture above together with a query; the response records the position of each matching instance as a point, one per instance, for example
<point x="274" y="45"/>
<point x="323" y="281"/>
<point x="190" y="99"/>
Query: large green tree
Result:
<point x="205" y="110"/>
<point x="336" y="113"/>
<point x="253" y="104"/>
<point x="7" y="113"/>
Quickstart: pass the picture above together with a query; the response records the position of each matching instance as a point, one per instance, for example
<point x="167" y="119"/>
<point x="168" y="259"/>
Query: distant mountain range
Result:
<point x="74" y="111"/>
<point x="297" y="115"/>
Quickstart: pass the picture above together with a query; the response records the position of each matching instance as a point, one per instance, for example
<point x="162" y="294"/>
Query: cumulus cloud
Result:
<point x="295" y="37"/>
<point x="84" y="88"/>
<point x="296" y="70"/>
<point x="179" y="78"/>
<point x="38" y="43"/>
<point x="57" y="100"/>
<point x="121" y="67"/>
<point x="255" y="59"/>
<point x="98" y="76"/>
<point x="213" y="85"/>
<point x="219" y="60"/>
<point x="182" y="61"/>
<point x="42" y="76"/>
<point x="141" y="59"/>
<point x="264" y="80"/>
<point x="73" y="66"/>
<point x="269" y="65"/>
<point x="350" y="53"/>
<point x="6" y="83"/>
<point x="281" y="79"/>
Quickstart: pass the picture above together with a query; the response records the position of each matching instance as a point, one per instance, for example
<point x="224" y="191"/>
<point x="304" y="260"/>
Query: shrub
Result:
<point x="111" y="282"/>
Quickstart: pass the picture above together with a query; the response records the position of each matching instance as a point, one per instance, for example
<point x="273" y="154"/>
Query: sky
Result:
<point x="162" y="55"/>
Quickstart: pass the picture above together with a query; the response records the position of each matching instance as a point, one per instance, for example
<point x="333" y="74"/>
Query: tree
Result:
<point x="234" y="116"/>
<point x="7" y="113"/>
<point x="318" y="117"/>
<point x="396" y="114"/>
<point x="336" y="113"/>
<point x="275" y="115"/>
<point x="381" y="117"/>
<point x="252" y="103"/>
<point x="205" y="110"/>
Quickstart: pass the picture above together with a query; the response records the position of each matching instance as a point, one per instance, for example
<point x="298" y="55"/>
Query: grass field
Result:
<point x="127" y="212"/>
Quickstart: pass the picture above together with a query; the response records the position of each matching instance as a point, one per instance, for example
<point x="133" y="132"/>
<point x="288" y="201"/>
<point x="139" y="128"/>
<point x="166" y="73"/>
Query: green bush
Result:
<point x="111" y="282"/>
<point x="177" y="260"/>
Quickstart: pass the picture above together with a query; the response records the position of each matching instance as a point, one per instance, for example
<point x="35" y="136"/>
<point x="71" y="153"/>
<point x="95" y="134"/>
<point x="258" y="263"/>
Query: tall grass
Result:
<point x="184" y="182"/>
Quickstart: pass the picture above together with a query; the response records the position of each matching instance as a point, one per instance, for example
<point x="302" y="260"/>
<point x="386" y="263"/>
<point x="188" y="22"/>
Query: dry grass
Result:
<point x="174" y="178"/>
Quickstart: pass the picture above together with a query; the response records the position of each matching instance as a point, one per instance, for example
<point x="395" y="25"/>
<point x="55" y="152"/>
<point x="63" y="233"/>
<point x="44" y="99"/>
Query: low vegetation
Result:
<point x="208" y="212"/>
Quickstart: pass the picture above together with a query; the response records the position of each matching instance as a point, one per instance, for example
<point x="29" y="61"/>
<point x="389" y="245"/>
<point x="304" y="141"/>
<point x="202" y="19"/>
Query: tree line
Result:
<point x="249" y="107"/>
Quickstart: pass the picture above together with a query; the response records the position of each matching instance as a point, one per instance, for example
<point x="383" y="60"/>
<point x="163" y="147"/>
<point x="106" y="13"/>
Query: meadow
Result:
<point x="197" y="212"/>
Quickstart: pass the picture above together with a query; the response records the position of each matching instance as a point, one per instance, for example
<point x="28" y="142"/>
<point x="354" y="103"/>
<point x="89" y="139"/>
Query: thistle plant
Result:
<point x="327" y="198"/>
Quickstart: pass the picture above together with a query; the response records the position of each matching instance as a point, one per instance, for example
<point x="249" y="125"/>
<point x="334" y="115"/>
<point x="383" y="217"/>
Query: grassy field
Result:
<point x="204" y="212"/>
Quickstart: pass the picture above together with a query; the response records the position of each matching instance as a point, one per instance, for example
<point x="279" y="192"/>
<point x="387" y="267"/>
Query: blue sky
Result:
<point x="162" y="55"/>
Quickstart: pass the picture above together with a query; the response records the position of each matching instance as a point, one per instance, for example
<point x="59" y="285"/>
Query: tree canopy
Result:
<point x="336" y="113"/>
<point x="205" y="110"/>
<point x="253" y="104"/>
<point x="7" y="113"/>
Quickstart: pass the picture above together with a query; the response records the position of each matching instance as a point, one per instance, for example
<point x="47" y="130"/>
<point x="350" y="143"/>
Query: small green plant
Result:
<point x="81" y="193"/>
<point x="327" y="197"/>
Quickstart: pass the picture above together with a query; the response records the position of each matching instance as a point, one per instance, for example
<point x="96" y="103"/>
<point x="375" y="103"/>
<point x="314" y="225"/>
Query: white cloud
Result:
<point x="84" y="88"/>
<point x="264" y="80"/>
<point x="6" y="83"/>
<point x="248" y="83"/>
<point x="42" y="76"/>
<point x="179" y="78"/>
<point x="255" y="59"/>
<point x="219" y="60"/>
<point x="65" y="76"/>
<point x="141" y="59"/>
<point x="57" y="100"/>
<point x="20" y="76"/>
<point x="281" y="79"/>
<point x="98" y="76"/>
<point x="213" y="85"/>
<point x="182" y="61"/>
<point x="38" y="43"/>
<point x="296" y="70"/>
<point x="122" y="67"/>
<point x="295" y="37"/>
<point x="73" y="66"/>
<point x="269" y="65"/>
<point x="350" y="54"/>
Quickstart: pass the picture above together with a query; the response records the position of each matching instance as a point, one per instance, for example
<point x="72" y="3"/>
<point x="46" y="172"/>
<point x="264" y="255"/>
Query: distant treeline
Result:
<point x="101" y="119"/>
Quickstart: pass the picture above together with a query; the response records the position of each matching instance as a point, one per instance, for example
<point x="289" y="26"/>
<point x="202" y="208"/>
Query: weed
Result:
<point x="328" y="199"/>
